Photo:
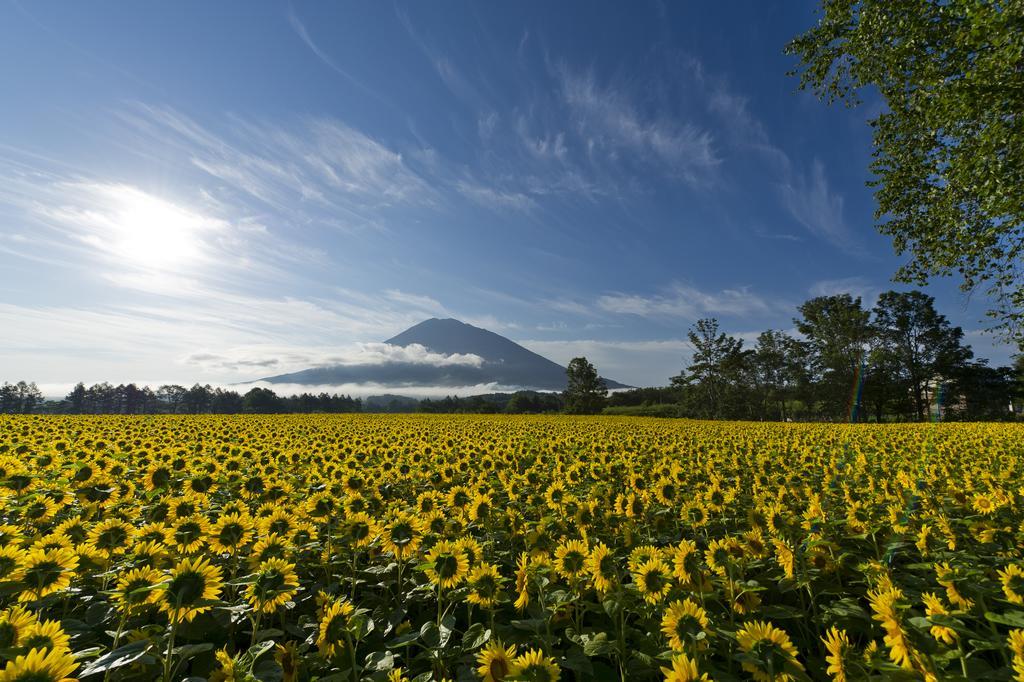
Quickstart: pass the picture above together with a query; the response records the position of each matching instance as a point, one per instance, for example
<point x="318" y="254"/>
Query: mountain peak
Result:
<point x="504" y="362"/>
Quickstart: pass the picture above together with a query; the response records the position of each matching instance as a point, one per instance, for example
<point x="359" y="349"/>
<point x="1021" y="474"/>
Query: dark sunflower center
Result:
<point x="486" y="586"/>
<point x="607" y="565"/>
<point x="8" y="635"/>
<point x="499" y="668"/>
<point x="44" y="573"/>
<point x="188" y="533"/>
<point x="37" y="641"/>
<point x="654" y="581"/>
<point x="269" y="583"/>
<point x="360" y="529"/>
<point x="771" y="655"/>
<point x="231" y="534"/>
<point x="160" y="478"/>
<point x="1016" y="584"/>
<point x="336" y="628"/>
<point x="112" y="538"/>
<point x="130" y="594"/>
<point x="186" y="589"/>
<point x="687" y="626"/>
<point x="279" y="526"/>
<point x="401" y="534"/>
<point x="573" y="562"/>
<point x="447" y="565"/>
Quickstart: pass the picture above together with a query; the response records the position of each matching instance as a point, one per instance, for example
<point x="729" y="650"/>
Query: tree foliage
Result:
<point x="949" y="146"/>
<point x="585" y="391"/>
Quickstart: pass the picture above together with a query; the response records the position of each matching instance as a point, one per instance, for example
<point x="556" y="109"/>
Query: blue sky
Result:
<point x="217" y="192"/>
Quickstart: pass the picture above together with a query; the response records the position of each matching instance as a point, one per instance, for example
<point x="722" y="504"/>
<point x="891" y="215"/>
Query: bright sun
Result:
<point x="153" y="234"/>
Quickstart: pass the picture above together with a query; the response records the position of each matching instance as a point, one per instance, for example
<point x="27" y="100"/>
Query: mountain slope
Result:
<point x="505" y="362"/>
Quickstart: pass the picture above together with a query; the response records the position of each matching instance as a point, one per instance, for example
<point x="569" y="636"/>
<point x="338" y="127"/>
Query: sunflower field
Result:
<point x="389" y="548"/>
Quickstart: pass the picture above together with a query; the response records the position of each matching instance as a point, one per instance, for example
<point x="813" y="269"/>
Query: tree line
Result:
<point x="106" y="398"/>
<point x="899" y="361"/>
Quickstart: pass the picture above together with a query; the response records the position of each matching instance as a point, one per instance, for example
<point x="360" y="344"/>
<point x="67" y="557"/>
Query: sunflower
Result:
<point x="768" y="652"/>
<point x="884" y="604"/>
<point x="654" y="580"/>
<point x="459" y="497"/>
<point x="480" y="508"/>
<point x="984" y="504"/>
<point x="189" y="589"/>
<point x="40" y="665"/>
<point x="641" y="555"/>
<point x="11" y="558"/>
<point x="1012" y="578"/>
<point x="837" y="644"/>
<point x="682" y="624"/>
<point x="949" y="578"/>
<point x="686" y="562"/>
<point x="274" y="584"/>
<point x="684" y="669"/>
<point x="46" y="635"/>
<point x="484" y="586"/>
<point x="449" y="565"/>
<point x="280" y="521"/>
<point x="536" y="667"/>
<point x="402" y="535"/>
<point x="571" y="559"/>
<point x="229" y="669"/>
<point x="694" y="514"/>
<point x="359" y="529"/>
<point x="742" y="600"/>
<point x="154" y="531"/>
<point x="149" y="553"/>
<point x="137" y="587"/>
<point x="473" y="550"/>
<point x="230" y="533"/>
<point x="14" y="623"/>
<point x="718" y="557"/>
<point x="189" y="533"/>
<point x="602" y="568"/>
<point x="523" y="581"/>
<point x="1016" y="643"/>
<point x="39" y="510"/>
<point x="111" y="536"/>
<point x="495" y="662"/>
<point x="271" y="547"/>
<point x="334" y="625"/>
<point x="933" y="606"/>
<point x="784" y="557"/>
<point x="158" y="476"/>
<point x="46" y="571"/>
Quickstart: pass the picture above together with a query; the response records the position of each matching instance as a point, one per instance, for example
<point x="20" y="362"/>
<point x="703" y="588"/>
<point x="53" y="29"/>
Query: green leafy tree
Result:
<point x="839" y="333"/>
<point x="921" y="345"/>
<point x="585" y="392"/>
<point x="949" y="144"/>
<point x="775" y="372"/>
<point x="712" y="375"/>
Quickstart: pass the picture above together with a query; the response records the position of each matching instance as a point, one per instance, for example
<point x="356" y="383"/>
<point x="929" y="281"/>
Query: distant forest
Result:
<point x="900" y="361"/>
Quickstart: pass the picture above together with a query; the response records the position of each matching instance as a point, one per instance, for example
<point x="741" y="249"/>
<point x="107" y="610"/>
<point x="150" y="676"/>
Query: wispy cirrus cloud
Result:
<point x="611" y="124"/>
<point x="818" y="208"/>
<point x="688" y="302"/>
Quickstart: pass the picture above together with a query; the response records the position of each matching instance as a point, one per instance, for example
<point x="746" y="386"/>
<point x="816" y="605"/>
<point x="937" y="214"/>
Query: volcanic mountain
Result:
<point x="461" y="355"/>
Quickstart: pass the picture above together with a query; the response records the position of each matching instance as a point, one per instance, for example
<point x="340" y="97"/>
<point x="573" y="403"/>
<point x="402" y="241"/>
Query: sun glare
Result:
<point x="154" y="234"/>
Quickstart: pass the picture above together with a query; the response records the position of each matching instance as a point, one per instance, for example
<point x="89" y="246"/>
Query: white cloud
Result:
<point x="250" y="357"/>
<point x="855" y="286"/>
<point x="688" y="302"/>
<point x="609" y="121"/>
<point x="495" y="198"/>
<point x="814" y="205"/>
